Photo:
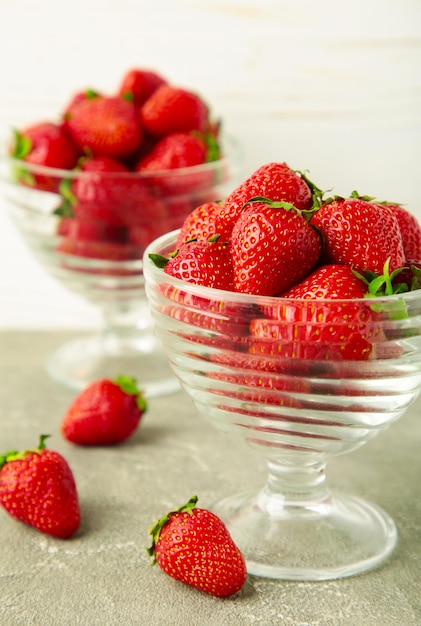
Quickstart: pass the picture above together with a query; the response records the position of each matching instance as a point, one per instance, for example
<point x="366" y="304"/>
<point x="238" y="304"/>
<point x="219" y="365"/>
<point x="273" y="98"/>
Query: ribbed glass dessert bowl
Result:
<point x="299" y="400"/>
<point x="102" y="260"/>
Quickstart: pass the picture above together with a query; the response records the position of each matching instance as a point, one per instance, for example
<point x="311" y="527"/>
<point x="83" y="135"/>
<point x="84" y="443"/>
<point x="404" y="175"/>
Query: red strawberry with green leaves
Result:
<point x="106" y="412"/>
<point x="173" y="109"/>
<point x="193" y="546"/>
<point x="105" y="126"/>
<point x="179" y="149"/>
<point x="140" y="84"/>
<point x="206" y="263"/>
<point x="324" y="330"/>
<point x="274" y="181"/>
<point x="47" y="144"/>
<point x="75" y="100"/>
<point x="37" y="487"/>
<point x="360" y="233"/>
<point x="199" y="224"/>
<point x="172" y="157"/>
<point x="273" y="247"/>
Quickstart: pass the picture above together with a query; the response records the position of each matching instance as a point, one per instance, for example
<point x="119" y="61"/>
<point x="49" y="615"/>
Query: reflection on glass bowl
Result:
<point x="100" y="258"/>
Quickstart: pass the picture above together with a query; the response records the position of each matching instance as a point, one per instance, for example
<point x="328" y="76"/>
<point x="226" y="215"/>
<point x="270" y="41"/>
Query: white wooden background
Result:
<point x="330" y="87"/>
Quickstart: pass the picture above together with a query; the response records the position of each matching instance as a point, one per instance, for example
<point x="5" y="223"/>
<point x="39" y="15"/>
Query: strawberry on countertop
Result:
<point x="193" y="545"/>
<point x="107" y="412"/>
<point x="37" y="487"/>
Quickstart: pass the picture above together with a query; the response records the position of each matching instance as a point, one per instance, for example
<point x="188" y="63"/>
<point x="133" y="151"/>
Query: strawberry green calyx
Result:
<point x="382" y="285"/>
<point x="65" y="209"/>
<point x="128" y="96"/>
<point x="158" y="260"/>
<point x="16" y="455"/>
<point x="213" y="150"/>
<point x="316" y="193"/>
<point x="129" y="386"/>
<point x="22" y="145"/>
<point x="156" y="528"/>
<point x="90" y="94"/>
<point x="282" y="204"/>
<point x="20" y="149"/>
<point x="355" y="194"/>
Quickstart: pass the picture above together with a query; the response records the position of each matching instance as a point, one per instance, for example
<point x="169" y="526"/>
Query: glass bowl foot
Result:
<point x="81" y="361"/>
<point x="339" y="537"/>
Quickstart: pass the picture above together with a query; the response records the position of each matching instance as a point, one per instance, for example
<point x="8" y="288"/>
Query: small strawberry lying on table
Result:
<point x="107" y="412"/>
<point x="37" y="487"/>
<point x="276" y="235"/>
<point x="194" y="546"/>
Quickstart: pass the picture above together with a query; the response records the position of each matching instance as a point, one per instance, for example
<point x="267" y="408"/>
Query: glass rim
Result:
<point x="230" y="149"/>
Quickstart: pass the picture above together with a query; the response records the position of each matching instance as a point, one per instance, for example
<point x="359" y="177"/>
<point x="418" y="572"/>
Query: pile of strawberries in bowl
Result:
<point x="90" y="190"/>
<point x="293" y="321"/>
<point x="121" y="168"/>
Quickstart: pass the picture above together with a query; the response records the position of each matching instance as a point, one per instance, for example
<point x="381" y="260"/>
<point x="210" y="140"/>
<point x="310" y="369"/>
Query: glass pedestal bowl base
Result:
<point x="337" y="537"/>
<point x="84" y="360"/>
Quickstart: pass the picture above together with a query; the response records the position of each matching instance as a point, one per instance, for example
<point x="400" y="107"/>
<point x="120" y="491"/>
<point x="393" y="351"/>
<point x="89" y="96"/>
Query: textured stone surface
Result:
<point x="102" y="575"/>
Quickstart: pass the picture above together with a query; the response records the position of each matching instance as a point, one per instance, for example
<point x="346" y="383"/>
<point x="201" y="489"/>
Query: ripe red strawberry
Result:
<point x="193" y="545"/>
<point x="202" y="262"/>
<point x="360" y="233"/>
<point x="106" y="412"/>
<point x="106" y="126"/>
<point x="109" y="192"/>
<point x="178" y="149"/>
<point x="141" y="84"/>
<point x="199" y="224"/>
<point x="37" y="487"/>
<point x="255" y="379"/>
<point x="173" y="109"/>
<point x="141" y="235"/>
<point x="274" y="181"/>
<point x="91" y="230"/>
<point x="95" y="239"/>
<point x="273" y="247"/>
<point x="75" y="100"/>
<point x="410" y="230"/>
<point x="325" y="331"/>
<point x="46" y="144"/>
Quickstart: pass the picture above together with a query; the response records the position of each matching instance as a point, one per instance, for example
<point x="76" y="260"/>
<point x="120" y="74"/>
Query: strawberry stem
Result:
<point x="382" y="285"/>
<point x="129" y="386"/>
<point x="22" y="146"/>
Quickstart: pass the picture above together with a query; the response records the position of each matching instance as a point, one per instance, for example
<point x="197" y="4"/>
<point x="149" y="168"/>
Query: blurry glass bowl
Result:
<point x="102" y="260"/>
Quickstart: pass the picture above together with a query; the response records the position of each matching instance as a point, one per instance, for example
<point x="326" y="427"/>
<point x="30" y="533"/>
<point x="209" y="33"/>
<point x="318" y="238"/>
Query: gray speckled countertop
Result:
<point x="102" y="575"/>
